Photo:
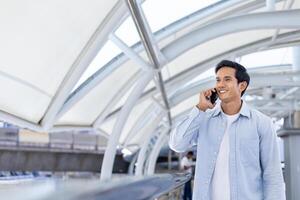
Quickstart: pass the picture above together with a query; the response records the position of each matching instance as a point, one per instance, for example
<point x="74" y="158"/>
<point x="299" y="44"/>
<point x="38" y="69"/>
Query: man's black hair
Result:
<point x="240" y="71"/>
<point x="190" y="153"/>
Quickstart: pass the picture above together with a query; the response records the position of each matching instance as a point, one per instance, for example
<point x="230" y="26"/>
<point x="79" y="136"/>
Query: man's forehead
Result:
<point x="226" y="71"/>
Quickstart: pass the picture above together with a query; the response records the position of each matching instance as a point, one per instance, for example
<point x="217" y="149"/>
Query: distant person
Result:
<point x="237" y="153"/>
<point x="186" y="165"/>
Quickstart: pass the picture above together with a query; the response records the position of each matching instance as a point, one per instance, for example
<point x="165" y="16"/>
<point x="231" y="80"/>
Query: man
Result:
<point x="237" y="154"/>
<point x="186" y="165"/>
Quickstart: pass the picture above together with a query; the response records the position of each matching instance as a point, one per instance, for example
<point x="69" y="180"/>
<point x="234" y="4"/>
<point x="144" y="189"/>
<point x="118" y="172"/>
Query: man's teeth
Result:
<point x="222" y="91"/>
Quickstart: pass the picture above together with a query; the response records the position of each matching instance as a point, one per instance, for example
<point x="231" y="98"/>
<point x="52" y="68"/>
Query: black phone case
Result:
<point x="213" y="97"/>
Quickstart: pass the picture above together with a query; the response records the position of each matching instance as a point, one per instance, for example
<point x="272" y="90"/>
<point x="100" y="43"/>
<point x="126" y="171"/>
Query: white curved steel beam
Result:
<point x="264" y="20"/>
<point x="116" y="98"/>
<point x="82" y="62"/>
<point x="146" y="139"/>
<point x="109" y="155"/>
<point x="162" y="139"/>
<point x="130" y="52"/>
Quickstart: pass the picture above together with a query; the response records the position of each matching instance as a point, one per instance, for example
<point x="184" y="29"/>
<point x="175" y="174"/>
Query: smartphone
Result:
<point x="214" y="96"/>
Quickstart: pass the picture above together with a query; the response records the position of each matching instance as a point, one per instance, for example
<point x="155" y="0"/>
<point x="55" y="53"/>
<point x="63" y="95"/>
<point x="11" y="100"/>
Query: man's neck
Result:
<point x="231" y="108"/>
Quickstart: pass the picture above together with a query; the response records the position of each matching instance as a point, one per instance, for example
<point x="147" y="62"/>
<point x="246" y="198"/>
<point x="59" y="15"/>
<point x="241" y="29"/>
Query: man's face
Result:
<point x="227" y="85"/>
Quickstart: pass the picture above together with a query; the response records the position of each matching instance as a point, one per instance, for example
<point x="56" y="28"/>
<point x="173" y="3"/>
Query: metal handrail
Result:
<point x="125" y="188"/>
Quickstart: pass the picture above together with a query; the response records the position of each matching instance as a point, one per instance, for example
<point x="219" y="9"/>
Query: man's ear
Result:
<point x="243" y="85"/>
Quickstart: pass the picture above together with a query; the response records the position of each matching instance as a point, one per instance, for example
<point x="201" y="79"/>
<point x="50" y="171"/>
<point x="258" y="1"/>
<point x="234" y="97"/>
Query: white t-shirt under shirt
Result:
<point x="220" y="185"/>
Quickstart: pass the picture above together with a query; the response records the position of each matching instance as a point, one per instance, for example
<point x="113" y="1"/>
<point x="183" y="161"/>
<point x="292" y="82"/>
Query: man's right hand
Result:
<point x="204" y="100"/>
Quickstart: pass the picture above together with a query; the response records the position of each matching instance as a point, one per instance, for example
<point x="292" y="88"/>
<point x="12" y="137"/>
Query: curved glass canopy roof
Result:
<point x="74" y="65"/>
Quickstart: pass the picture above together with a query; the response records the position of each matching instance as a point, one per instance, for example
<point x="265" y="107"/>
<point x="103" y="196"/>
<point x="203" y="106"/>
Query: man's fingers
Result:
<point x="207" y="93"/>
<point x="211" y="106"/>
<point x="204" y="98"/>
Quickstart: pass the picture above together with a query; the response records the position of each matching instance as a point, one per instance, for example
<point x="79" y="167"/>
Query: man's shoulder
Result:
<point x="258" y="115"/>
<point x="260" y="119"/>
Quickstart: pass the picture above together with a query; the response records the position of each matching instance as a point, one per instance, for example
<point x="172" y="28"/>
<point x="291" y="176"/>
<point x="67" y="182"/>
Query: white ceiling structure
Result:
<point x="56" y="74"/>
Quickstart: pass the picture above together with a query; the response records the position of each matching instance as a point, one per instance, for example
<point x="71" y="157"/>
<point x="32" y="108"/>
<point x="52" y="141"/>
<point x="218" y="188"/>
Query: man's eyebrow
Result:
<point x="224" y="77"/>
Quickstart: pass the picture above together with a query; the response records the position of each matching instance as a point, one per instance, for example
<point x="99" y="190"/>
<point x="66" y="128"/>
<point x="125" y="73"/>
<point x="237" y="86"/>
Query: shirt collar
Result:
<point x="245" y="111"/>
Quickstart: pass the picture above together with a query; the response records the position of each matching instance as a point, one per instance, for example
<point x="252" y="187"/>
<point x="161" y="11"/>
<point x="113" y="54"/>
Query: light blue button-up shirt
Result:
<point x="254" y="165"/>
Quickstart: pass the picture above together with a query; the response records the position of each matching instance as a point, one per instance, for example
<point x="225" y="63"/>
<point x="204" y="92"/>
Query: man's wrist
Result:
<point x="200" y="107"/>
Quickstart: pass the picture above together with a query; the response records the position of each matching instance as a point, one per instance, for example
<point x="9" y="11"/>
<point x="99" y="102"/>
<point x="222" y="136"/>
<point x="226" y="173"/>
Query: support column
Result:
<point x="297" y="119"/>
<point x="296" y="67"/>
<point x="296" y="60"/>
<point x="291" y="137"/>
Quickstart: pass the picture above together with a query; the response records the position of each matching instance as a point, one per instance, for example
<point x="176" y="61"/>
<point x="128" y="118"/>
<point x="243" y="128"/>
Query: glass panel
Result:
<point x="267" y="58"/>
<point x="108" y="52"/>
<point x="127" y="32"/>
<point x="155" y="10"/>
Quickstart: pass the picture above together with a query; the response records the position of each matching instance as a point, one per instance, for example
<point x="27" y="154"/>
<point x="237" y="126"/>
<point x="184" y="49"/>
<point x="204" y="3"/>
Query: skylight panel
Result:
<point x="162" y="13"/>
<point x="108" y="52"/>
<point x="267" y="58"/>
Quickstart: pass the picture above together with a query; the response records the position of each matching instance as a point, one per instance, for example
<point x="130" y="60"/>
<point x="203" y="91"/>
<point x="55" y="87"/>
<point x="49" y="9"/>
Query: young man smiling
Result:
<point x="237" y="154"/>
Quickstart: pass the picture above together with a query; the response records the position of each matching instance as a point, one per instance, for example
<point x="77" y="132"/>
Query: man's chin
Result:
<point x="224" y="100"/>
